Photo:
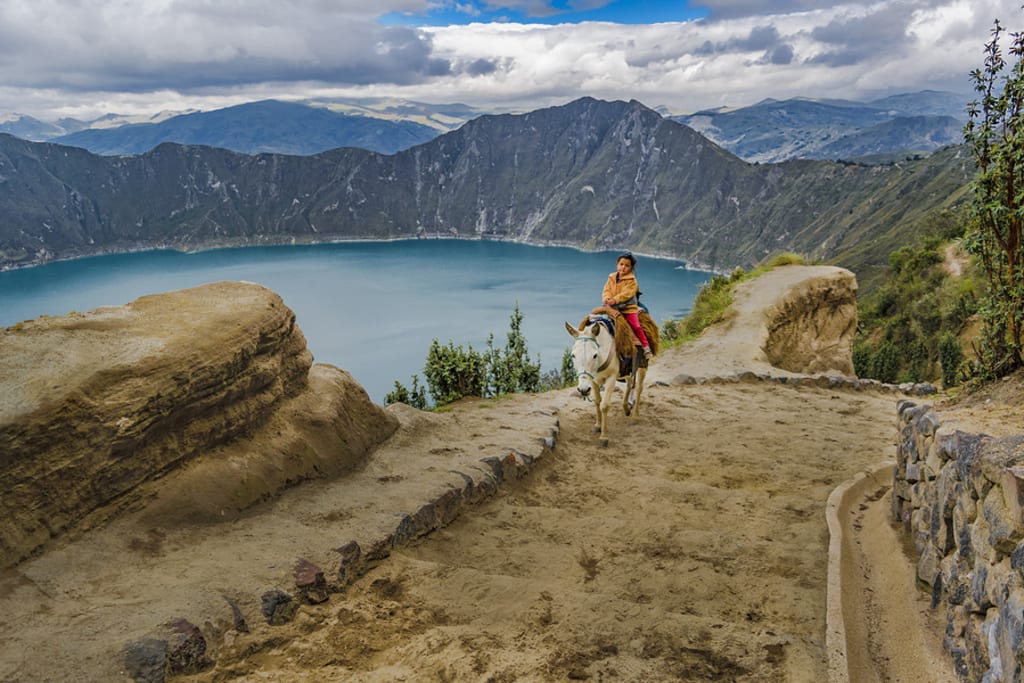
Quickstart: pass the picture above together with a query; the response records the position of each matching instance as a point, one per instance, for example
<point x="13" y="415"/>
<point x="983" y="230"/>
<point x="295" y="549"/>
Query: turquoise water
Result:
<point x="373" y="308"/>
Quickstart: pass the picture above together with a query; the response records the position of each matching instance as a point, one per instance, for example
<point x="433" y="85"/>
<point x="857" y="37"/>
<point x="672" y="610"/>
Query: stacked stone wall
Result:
<point x="961" y="498"/>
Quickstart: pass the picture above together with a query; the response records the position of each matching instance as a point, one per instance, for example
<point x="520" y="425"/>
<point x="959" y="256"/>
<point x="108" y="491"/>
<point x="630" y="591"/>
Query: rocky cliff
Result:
<point x="213" y="384"/>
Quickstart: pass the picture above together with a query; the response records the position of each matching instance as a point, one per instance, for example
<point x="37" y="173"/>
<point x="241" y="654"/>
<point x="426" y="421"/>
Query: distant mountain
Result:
<point x="28" y="128"/>
<point x="441" y="117"/>
<point x="593" y="174"/>
<point x="257" y="127"/>
<point x="925" y="103"/>
<point x="776" y="130"/>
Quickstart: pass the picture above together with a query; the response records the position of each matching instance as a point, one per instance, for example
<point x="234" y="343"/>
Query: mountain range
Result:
<point x="255" y="127"/>
<point x="882" y="130"/>
<point x="591" y="174"/>
<point x="891" y="128"/>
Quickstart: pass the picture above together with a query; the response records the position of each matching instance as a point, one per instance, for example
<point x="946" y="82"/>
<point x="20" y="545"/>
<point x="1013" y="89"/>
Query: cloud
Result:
<point x="86" y="57"/>
<point x="733" y="9"/>
<point x="194" y="44"/>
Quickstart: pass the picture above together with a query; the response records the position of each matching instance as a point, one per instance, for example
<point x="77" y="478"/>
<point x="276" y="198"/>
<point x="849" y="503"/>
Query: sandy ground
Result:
<point x="697" y="551"/>
<point x="693" y="548"/>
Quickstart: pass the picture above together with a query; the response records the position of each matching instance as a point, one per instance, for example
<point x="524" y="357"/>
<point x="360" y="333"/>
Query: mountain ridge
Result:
<point x="775" y="130"/>
<point x="590" y="174"/>
<point x="255" y="127"/>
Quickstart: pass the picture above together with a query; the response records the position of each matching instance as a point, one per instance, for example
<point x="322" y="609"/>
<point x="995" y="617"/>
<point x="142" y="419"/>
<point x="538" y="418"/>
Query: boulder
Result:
<point x="95" y="407"/>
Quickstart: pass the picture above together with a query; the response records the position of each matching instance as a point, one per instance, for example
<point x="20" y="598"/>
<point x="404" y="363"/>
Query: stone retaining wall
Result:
<point x="961" y="497"/>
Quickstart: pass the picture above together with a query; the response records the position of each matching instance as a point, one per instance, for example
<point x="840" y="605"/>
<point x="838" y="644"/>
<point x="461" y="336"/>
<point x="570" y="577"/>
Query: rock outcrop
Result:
<point x="210" y="389"/>
<point x="791" y="321"/>
<point x="810" y="329"/>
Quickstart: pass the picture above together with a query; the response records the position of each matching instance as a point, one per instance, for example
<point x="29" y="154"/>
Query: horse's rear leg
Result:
<point x="637" y="390"/>
<point x="628" y="400"/>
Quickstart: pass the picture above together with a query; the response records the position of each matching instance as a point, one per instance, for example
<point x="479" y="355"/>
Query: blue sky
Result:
<point x="564" y="11"/>
<point x="86" y="58"/>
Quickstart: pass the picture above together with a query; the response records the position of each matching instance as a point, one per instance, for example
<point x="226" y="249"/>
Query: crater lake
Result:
<point x="373" y="308"/>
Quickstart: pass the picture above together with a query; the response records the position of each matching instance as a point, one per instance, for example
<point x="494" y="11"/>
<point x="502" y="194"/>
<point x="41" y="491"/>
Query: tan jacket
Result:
<point x="623" y="290"/>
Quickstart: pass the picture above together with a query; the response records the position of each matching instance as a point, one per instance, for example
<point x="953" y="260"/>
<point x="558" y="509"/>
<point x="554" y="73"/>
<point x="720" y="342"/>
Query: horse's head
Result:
<point x="586" y="356"/>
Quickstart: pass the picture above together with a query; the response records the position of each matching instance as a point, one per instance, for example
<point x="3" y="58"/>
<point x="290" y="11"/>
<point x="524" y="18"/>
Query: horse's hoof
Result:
<point x="603" y="442"/>
<point x="596" y="430"/>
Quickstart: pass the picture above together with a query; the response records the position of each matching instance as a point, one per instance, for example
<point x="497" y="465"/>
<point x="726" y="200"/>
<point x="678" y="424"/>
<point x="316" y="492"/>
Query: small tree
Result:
<point x="951" y="356"/>
<point x="415" y="397"/>
<point x="453" y="372"/>
<point x="568" y="367"/>
<point x="995" y="134"/>
<point x="523" y="375"/>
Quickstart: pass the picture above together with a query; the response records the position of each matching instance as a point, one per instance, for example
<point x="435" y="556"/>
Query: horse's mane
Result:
<point x="625" y="339"/>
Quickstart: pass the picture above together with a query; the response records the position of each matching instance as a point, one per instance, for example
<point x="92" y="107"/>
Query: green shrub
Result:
<point x="951" y="357"/>
<point x="414" y="397"/>
<point x="885" y="363"/>
<point x="452" y="372"/>
<point x="911" y="310"/>
<point x="862" y="354"/>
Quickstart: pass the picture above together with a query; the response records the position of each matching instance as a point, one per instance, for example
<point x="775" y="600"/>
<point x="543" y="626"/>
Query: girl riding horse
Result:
<point x="622" y="292"/>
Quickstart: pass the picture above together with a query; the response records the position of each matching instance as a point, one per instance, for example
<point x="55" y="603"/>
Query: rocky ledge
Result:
<point x="214" y="384"/>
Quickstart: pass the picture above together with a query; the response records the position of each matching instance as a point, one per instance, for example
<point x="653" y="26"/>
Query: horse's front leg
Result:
<point x="606" y="402"/>
<point x="598" y="413"/>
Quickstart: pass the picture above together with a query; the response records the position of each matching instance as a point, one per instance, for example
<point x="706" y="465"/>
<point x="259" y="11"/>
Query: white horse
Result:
<point x="596" y="362"/>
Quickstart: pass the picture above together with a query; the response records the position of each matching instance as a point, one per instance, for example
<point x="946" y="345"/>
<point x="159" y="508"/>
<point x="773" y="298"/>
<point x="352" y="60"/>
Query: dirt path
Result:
<point x="696" y="552"/>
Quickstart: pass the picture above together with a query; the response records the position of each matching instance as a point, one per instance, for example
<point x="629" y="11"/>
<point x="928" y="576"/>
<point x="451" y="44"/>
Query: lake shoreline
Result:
<point x="292" y="241"/>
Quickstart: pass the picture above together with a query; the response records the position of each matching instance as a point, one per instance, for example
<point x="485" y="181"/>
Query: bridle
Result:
<point x="587" y="373"/>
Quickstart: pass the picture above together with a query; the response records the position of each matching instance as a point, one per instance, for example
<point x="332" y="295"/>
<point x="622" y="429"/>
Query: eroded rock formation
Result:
<point x="810" y="329"/>
<point x="213" y="385"/>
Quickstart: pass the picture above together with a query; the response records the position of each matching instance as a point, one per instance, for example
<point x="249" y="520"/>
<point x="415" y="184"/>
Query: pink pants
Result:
<point x="634" y="321"/>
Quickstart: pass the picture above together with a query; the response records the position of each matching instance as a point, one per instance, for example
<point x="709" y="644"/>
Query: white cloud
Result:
<point x="87" y="57"/>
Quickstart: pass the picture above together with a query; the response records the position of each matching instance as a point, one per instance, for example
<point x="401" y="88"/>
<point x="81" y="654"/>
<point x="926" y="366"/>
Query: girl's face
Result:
<point x="624" y="267"/>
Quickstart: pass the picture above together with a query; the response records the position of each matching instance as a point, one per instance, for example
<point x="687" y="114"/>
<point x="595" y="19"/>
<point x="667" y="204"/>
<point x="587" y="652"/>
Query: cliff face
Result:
<point x="214" y="381"/>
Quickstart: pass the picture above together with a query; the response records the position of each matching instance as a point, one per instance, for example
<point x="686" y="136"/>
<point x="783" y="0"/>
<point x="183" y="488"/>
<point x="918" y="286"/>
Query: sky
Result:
<point x="86" y="58"/>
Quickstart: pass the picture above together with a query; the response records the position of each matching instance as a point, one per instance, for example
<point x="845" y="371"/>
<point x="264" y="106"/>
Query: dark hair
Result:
<point x="627" y="255"/>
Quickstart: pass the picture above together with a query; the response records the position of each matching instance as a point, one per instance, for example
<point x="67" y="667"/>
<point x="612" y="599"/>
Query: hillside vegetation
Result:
<point x="919" y="323"/>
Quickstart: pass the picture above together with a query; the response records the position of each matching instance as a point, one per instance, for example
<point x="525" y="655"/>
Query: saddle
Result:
<point x="626" y="342"/>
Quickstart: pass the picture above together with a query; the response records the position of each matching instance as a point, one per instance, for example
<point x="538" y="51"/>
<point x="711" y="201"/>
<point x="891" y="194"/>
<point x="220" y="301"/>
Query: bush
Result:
<point x="912" y="309"/>
<point x="885" y="363"/>
<point x="453" y="372"/>
<point x="862" y="354"/>
<point x="414" y="397"/>
<point x="951" y="357"/>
